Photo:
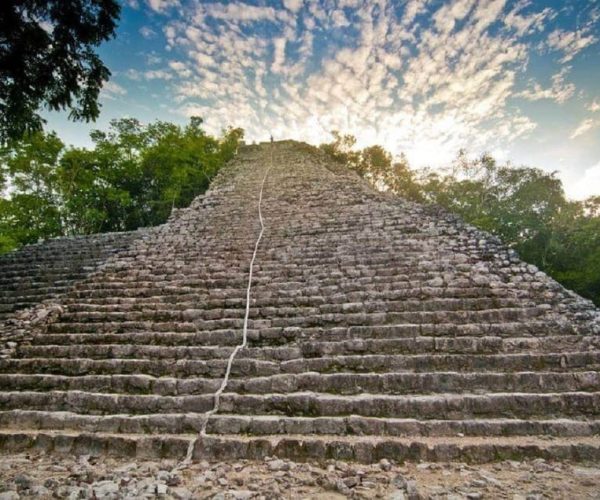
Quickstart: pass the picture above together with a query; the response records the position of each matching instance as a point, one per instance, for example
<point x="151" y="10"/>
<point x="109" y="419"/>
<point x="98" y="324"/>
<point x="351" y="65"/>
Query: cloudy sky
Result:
<point x="519" y="79"/>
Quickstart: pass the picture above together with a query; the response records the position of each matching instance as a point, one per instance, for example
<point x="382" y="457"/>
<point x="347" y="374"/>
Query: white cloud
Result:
<point x="157" y="74"/>
<point x="279" y="55"/>
<point x="526" y="24"/>
<point x="177" y="65"/>
<point x="180" y="68"/>
<point x="153" y="58"/>
<point x="162" y="5"/>
<point x="411" y="10"/>
<point x="583" y="185"/>
<point x="339" y="18"/>
<point x="422" y="77"/>
<point x="147" y="32"/>
<point x="584" y="127"/>
<point x="112" y="90"/>
<point x="594" y="106"/>
<point x="239" y="11"/>
<point x="154" y="74"/>
<point x="559" y="91"/>
<point x="133" y="74"/>
<point x="293" y="5"/>
<point x="570" y="43"/>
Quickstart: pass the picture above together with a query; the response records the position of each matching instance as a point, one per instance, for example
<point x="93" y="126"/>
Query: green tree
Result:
<point x="133" y="177"/>
<point x="33" y="211"/>
<point x="574" y="259"/>
<point x="341" y="150"/>
<point x="47" y="58"/>
<point x="375" y="165"/>
<point x="91" y="200"/>
<point x="402" y="180"/>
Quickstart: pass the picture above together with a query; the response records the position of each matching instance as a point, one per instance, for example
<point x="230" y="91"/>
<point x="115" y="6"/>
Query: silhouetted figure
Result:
<point x="271" y="138"/>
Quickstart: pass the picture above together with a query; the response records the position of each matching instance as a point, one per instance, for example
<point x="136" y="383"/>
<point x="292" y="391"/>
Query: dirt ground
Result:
<point x="48" y="476"/>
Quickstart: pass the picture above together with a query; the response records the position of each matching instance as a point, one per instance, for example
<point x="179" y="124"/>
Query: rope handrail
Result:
<point x="225" y="381"/>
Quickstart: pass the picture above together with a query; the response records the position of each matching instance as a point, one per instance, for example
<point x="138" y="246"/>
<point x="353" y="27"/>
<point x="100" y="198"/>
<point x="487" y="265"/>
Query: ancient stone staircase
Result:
<point x="38" y="275"/>
<point x="378" y="328"/>
<point x="47" y="270"/>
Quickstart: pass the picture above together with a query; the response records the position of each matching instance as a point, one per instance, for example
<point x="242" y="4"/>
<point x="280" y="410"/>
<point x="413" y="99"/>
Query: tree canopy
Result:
<point x="133" y="177"/>
<point x="526" y="207"/>
<point x="47" y="58"/>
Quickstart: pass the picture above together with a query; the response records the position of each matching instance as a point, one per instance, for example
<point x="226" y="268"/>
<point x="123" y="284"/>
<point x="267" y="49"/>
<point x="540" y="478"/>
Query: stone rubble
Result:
<point x="45" y="476"/>
<point x="379" y="330"/>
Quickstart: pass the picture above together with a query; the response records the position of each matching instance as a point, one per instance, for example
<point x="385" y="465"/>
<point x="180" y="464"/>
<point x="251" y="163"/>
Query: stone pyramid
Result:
<point x="376" y="328"/>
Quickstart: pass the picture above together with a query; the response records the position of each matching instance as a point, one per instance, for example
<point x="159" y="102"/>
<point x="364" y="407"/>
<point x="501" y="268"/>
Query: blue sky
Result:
<point x="519" y="79"/>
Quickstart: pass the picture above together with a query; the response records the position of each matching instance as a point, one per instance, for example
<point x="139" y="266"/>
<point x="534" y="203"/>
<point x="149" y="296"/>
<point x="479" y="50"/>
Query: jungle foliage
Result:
<point x="132" y="177"/>
<point x="526" y="207"/>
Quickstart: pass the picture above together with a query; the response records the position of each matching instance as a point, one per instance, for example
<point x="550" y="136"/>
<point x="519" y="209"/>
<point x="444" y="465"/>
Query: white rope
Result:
<point x="225" y="381"/>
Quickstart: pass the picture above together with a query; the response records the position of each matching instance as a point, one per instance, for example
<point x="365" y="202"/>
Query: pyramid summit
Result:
<point x="332" y="321"/>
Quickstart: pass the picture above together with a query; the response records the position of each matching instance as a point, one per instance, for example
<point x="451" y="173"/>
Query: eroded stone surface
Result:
<point x="33" y="279"/>
<point x="379" y="329"/>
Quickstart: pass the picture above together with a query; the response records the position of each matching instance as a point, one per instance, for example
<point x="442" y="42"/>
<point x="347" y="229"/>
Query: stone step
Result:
<point x="308" y="295"/>
<point x="158" y="310"/>
<point x="201" y="276"/>
<point x="29" y="294"/>
<point x="82" y="443"/>
<point x="52" y="261"/>
<point x="114" y="384"/>
<point x="371" y="449"/>
<point x="140" y="298"/>
<point x="268" y="291"/>
<point x="455" y="317"/>
<point x="384" y="256"/>
<point x="424" y="305"/>
<point x="419" y="383"/>
<point x="508" y="329"/>
<point x="159" y="423"/>
<point x="244" y="367"/>
<point x="137" y="326"/>
<point x="567" y="361"/>
<point x="215" y="337"/>
<point x="158" y="286"/>
<point x="497" y="316"/>
<point x="521" y="332"/>
<point x="318" y="349"/>
<point x="161" y="315"/>
<point x="354" y="425"/>
<point x="155" y="275"/>
<point x="103" y="403"/>
<point x="447" y="406"/>
<point x="149" y="304"/>
<point x="352" y="277"/>
<point x="260" y="425"/>
<point x="24" y="257"/>
<point x="300" y="447"/>
<point x="451" y="345"/>
<point x="123" y="351"/>
<point x="155" y="368"/>
<point x="36" y="282"/>
<point x="42" y="273"/>
<point x="339" y="383"/>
